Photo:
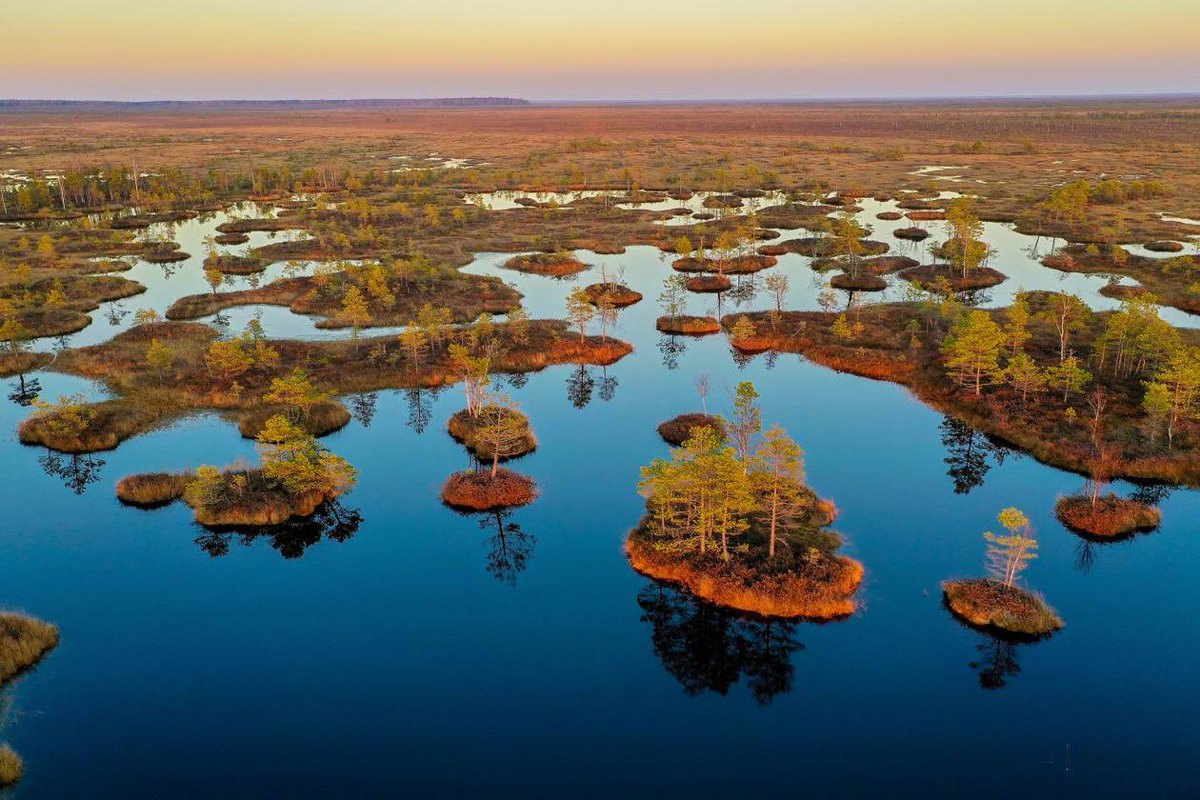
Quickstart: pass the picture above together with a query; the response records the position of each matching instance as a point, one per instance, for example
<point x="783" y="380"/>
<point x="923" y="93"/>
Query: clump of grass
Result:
<point x="235" y="265"/>
<point x="1108" y="517"/>
<point x="912" y="234"/>
<point x="979" y="278"/>
<point x="858" y="283"/>
<point x="738" y="265"/>
<point x="678" y="430"/>
<point x="11" y="767"/>
<point x="465" y="428"/>
<point x="480" y="491"/>
<point x="553" y="264"/>
<point x="23" y="642"/>
<point x="986" y="603"/>
<point x="153" y="489"/>
<point x="688" y="326"/>
<point x="321" y="418"/>
<point x="823" y="588"/>
<point x="708" y="283"/>
<point x="618" y="294"/>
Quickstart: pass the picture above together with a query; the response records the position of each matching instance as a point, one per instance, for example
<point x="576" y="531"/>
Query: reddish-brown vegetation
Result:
<point x="618" y="294"/>
<point x="1108" y="517"/>
<point x="824" y="591"/>
<point x="688" y="326"/>
<point x="555" y="265"/>
<point x="479" y="491"/>
<point x="678" y="430"/>
<point x="990" y="604"/>
<point x="708" y="283"/>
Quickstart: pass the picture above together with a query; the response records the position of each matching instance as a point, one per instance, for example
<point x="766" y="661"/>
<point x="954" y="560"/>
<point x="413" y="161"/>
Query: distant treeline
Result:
<point x="429" y="102"/>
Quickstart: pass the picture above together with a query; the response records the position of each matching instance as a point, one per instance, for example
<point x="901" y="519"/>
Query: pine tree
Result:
<point x="778" y="479"/>
<point x="972" y="350"/>
<point x="580" y="311"/>
<point x="355" y="310"/>
<point x="1008" y="556"/>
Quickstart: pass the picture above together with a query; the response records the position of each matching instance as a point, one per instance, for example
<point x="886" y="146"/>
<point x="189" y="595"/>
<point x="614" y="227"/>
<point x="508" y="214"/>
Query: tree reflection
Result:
<point x="116" y="314"/>
<point x="362" y="407"/>
<point x="608" y="385"/>
<point x="967" y="454"/>
<point x="24" y="391"/>
<point x="420" y="408"/>
<point x="671" y="347"/>
<point x="580" y="385"/>
<point x="76" y="471"/>
<point x="709" y="649"/>
<point x="517" y="380"/>
<point x="1151" y="494"/>
<point x="331" y="521"/>
<point x="509" y="547"/>
<point x="997" y="661"/>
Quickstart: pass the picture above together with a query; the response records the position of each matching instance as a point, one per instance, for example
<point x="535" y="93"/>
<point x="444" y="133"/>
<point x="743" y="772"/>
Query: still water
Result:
<point x="412" y="650"/>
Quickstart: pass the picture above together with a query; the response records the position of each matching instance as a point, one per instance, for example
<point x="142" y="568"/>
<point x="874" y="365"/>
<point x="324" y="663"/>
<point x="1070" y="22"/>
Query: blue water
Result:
<point x="425" y="655"/>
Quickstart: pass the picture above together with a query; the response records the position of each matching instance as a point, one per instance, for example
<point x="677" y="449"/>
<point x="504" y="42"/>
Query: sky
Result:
<point x="595" y="50"/>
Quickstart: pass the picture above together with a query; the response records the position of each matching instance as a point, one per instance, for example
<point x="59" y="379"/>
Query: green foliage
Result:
<point x="1008" y="556"/>
<point x="1068" y="376"/>
<point x="580" y="310"/>
<point x="295" y="460"/>
<point x="972" y="350"/>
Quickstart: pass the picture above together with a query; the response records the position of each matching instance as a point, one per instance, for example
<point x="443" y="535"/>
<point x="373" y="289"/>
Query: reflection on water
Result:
<point x="709" y="649"/>
<point x="580" y="385"/>
<point x="362" y="407"/>
<point x="24" y="390"/>
<point x="77" y="472"/>
<point x="420" y="407"/>
<point x="997" y="661"/>
<point x="969" y="454"/>
<point x="509" y="546"/>
<point x="331" y="521"/>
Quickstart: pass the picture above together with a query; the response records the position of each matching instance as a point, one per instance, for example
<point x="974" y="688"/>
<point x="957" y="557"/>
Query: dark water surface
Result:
<point x="429" y="653"/>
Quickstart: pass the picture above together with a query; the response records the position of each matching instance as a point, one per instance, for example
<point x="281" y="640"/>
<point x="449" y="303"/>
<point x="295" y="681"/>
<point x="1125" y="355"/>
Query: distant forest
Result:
<point x="431" y="102"/>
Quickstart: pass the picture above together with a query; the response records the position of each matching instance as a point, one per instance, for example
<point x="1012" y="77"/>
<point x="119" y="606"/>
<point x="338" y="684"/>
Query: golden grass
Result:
<point x="321" y="419"/>
<point x="24" y="640"/>
<point x="11" y="767"/>
<point x="824" y="590"/>
<point x="989" y="604"/>
<point x="153" y="489"/>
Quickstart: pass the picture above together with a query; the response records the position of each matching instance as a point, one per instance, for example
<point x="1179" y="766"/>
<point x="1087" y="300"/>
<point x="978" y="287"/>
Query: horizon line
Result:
<point x="507" y="100"/>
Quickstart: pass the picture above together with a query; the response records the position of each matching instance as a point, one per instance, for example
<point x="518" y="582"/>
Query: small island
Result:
<point x="556" y="265"/>
<point x="24" y="641"/>
<point x="732" y="521"/>
<point x="296" y="477"/>
<point x="685" y="325"/>
<point x="614" y="293"/>
<point x="1106" y="516"/>
<point x="679" y="429"/>
<point x="997" y="602"/>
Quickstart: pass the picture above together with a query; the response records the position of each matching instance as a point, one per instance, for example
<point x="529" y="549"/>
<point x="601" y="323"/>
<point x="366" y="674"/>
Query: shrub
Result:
<point x="23" y="642"/>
